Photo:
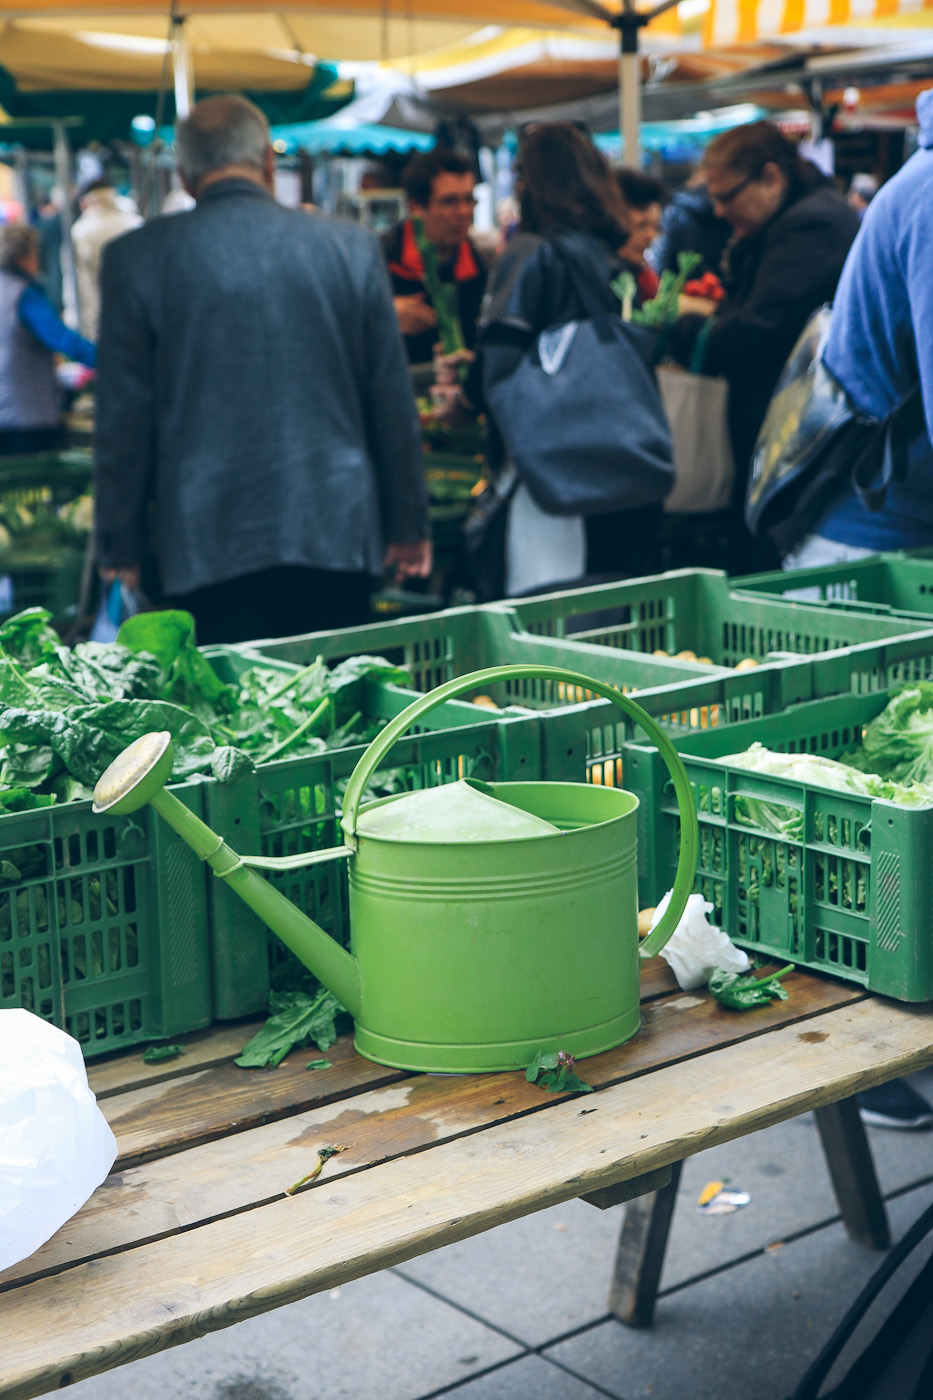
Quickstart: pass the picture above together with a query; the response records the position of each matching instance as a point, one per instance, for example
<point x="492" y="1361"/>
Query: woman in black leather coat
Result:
<point x="568" y="196"/>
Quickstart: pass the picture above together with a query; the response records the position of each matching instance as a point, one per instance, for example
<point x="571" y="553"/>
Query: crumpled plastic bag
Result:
<point x="697" y="948"/>
<point x="56" y="1146"/>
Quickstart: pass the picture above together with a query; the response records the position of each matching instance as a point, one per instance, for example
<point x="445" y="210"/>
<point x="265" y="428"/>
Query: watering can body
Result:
<point x="475" y="955"/>
<point x="480" y="933"/>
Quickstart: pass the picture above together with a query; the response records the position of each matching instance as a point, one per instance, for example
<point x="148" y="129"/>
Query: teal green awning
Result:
<point x="326" y="138"/>
<point x="106" y="116"/>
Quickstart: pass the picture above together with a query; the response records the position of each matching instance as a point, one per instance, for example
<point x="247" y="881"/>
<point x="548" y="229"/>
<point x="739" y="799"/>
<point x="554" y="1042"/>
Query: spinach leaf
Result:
<point x="297" y="1019"/>
<point x="743" y="993"/>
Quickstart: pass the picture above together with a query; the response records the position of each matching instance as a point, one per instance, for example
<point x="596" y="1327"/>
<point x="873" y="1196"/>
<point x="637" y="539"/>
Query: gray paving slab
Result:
<point x="529" y="1378"/>
<point x="749" y="1331"/>
<point x="378" y="1336"/>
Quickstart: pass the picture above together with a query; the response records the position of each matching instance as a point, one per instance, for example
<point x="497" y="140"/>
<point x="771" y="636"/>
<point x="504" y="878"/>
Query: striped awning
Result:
<point x="731" y="22"/>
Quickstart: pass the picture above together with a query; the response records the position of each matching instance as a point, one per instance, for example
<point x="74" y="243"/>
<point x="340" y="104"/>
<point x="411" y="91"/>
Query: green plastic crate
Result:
<point x="103" y="924"/>
<point x="40" y="581"/>
<point x="292" y="806"/>
<point x="440" y="646"/>
<point x="898" y="583"/>
<point x="853" y="898"/>
<point x="46" y="478"/>
<point x="698" y="610"/>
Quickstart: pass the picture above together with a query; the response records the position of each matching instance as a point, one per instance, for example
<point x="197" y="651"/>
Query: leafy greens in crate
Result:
<point x="66" y="713"/>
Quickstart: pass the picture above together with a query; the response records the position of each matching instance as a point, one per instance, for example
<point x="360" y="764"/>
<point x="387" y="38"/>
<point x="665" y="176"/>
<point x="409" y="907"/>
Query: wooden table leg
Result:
<point x="852" y="1171"/>
<point x="640" y="1254"/>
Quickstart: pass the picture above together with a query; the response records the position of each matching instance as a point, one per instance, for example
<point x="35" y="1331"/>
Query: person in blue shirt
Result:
<point x="31" y="334"/>
<point x="880" y="343"/>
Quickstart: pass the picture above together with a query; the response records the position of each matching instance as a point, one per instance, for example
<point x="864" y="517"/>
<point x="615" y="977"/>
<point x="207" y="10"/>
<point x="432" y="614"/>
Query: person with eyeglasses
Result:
<point x="439" y="185"/>
<point x="791" y="232"/>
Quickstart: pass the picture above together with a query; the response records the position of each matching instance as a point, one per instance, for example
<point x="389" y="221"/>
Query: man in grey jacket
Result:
<point x="253" y="389"/>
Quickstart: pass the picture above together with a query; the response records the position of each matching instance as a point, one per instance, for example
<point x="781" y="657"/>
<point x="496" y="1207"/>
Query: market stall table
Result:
<point x="193" y="1230"/>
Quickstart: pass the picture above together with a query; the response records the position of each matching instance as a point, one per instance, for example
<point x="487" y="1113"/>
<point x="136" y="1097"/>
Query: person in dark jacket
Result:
<point x="439" y="185"/>
<point x="31" y="334"/>
<point x="689" y="224"/>
<point x="569" y="197"/>
<point x="792" y="231"/>
<point x="253" y="387"/>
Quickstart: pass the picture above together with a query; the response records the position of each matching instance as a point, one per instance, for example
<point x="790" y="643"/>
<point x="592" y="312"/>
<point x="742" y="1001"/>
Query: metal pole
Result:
<point x="183" y="71"/>
<point x="629" y="22"/>
<point x="630" y="104"/>
<point x="64" y="181"/>
<point x="20" y="177"/>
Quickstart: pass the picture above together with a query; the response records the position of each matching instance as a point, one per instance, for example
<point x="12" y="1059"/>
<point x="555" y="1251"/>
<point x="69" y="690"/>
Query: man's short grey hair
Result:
<point x="220" y="131"/>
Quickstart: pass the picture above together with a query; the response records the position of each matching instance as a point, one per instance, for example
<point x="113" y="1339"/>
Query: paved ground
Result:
<point x="520" y="1312"/>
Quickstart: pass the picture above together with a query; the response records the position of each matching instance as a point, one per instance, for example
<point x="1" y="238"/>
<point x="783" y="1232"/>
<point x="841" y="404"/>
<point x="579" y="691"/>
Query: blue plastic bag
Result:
<point x="117" y="603"/>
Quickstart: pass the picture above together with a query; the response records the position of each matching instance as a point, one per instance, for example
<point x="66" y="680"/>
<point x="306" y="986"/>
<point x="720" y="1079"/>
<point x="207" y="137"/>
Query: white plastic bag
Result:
<point x="56" y="1146"/>
<point x="697" y="948"/>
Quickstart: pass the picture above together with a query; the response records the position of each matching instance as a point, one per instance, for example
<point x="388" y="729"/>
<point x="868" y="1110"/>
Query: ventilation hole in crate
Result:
<point x="80" y="1027"/>
<point x="91" y="846"/>
<point x="129" y="891"/>
<point x="105" y="1026"/>
<point x="74" y="849"/>
<point x="112" y="889"/>
<point x="819" y="880"/>
<point x="98" y="962"/>
<point x="110" y="842"/>
<point x="832" y="829"/>
<point x="79" y="962"/>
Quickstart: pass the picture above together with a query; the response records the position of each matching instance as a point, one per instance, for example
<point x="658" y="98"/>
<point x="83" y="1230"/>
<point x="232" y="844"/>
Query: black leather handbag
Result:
<point x="814" y="440"/>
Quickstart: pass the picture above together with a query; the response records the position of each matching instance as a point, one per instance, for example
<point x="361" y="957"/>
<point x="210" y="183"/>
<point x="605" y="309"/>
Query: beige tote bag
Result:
<point x="697" y="409"/>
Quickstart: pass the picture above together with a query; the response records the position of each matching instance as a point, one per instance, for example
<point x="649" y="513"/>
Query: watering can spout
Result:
<point x="137" y="777"/>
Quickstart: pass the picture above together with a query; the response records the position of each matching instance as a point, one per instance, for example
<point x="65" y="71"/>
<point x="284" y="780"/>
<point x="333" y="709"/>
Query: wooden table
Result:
<point x="193" y="1231"/>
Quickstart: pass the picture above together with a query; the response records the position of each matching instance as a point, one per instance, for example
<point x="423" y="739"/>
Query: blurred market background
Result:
<point x="353" y="88"/>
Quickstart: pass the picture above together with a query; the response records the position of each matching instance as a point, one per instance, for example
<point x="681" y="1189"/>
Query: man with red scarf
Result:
<point x="439" y="186"/>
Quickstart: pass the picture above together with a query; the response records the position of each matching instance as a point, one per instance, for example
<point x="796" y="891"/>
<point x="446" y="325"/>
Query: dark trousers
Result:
<point x="623" y="543"/>
<point x="281" y="602"/>
<point x="23" y="442"/>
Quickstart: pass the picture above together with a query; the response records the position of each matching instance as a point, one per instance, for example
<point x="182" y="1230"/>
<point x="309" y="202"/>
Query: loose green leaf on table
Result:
<point x="743" y="993"/>
<point x="318" y="1064"/>
<point x="154" y="1054"/>
<point x="555" y="1071"/>
<point x="297" y="1019"/>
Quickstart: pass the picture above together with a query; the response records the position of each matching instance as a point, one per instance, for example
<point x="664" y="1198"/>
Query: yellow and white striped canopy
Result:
<point x="739" y="22"/>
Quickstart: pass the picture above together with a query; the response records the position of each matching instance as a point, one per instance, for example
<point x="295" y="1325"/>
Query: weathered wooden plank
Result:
<point x="101" y="1314"/>
<point x="128" y="1070"/>
<point x="148" y="1094"/>
<point x="241" y="1170"/>
<point x="170" y="1116"/>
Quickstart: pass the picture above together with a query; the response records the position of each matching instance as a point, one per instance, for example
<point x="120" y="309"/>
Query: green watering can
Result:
<point x="488" y="920"/>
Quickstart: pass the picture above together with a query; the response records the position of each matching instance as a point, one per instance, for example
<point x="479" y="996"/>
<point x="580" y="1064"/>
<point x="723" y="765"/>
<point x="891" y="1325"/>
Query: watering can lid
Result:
<point x="455" y="812"/>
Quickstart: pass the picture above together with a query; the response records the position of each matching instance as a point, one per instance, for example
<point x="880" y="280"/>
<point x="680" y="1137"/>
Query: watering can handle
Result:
<point x="478" y="680"/>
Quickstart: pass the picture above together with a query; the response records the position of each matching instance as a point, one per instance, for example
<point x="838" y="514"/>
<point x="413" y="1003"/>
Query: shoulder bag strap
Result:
<point x="901" y="427"/>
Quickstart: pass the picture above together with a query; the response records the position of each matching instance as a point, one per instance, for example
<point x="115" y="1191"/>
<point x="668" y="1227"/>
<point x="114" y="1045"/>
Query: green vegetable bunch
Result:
<point x="663" y="309"/>
<point x="443" y="294"/>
